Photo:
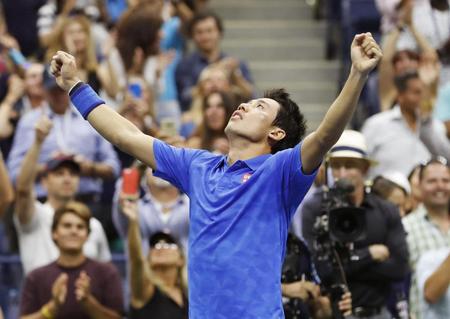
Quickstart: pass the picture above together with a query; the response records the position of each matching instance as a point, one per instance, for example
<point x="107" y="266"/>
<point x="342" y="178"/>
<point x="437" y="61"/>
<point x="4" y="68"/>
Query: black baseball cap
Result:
<point x="64" y="160"/>
<point x="162" y="236"/>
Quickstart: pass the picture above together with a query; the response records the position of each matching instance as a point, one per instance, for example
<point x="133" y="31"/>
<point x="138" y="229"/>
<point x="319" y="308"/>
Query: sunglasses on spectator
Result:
<point x="163" y="245"/>
<point x="434" y="160"/>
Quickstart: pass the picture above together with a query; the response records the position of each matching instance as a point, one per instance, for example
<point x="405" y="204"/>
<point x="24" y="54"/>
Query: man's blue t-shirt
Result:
<point x="239" y="219"/>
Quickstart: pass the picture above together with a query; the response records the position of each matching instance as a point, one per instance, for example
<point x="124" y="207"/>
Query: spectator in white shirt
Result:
<point x="401" y="138"/>
<point x="33" y="220"/>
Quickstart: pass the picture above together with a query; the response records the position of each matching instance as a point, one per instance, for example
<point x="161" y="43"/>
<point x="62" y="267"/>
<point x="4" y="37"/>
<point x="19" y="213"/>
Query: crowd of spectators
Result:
<point x="160" y="64"/>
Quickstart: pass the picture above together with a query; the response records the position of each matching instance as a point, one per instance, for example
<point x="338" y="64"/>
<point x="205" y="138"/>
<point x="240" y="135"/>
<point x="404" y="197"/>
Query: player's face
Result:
<point x="253" y="120"/>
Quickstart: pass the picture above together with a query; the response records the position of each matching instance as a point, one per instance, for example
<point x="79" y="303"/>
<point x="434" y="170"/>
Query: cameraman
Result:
<point x="382" y="256"/>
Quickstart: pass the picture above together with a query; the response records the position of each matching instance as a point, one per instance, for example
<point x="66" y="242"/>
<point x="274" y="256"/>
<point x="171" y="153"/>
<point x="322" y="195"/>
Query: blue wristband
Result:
<point x="85" y="99"/>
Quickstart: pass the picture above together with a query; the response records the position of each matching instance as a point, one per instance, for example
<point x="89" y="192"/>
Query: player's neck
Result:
<point x="241" y="149"/>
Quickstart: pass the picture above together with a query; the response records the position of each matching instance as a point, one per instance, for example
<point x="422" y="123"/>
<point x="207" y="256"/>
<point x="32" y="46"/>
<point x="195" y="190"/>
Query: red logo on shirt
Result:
<point x="246" y="177"/>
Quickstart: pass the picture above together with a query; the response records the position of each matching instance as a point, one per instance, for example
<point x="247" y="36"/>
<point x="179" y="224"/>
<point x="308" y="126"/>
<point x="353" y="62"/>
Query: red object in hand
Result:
<point x="130" y="181"/>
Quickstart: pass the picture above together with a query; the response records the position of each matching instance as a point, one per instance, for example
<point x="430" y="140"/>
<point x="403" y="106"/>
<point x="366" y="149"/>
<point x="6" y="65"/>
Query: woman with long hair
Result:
<point x="157" y="286"/>
<point x="217" y="109"/>
<point x="74" y="36"/>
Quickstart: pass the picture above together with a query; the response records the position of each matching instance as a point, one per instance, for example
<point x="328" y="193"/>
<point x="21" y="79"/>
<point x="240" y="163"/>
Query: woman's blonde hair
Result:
<point x="198" y="95"/>
<point x="90" y="62"/>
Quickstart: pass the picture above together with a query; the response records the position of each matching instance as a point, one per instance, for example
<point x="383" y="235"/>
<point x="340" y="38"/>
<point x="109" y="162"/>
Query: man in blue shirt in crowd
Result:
<point x="241" y="204"/>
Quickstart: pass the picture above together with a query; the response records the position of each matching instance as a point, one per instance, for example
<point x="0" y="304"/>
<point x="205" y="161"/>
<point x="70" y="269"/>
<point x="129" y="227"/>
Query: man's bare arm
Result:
<point x="438" y="283"/>
<point x="365" y="55"/>
<point x="113" y="127"/>
<point x="24" y="208"/>
<point x="122" y="133"/>
<point x="6" y="189"/>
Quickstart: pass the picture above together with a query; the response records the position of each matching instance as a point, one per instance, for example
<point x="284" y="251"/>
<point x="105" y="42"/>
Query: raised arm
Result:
<point x="6" y="189"/>
<point x="141" y="283"/>
<point x="113" y="127"/>
<point x="365" y="54"/>
<point x="24" y="208"/>
<point x="15" y="92"/>
<point x="438" y="283"/>
<point x="385" y="70"/>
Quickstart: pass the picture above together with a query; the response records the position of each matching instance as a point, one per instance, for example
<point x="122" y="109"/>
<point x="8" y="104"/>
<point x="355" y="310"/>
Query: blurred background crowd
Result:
<point x="178" y="69"/>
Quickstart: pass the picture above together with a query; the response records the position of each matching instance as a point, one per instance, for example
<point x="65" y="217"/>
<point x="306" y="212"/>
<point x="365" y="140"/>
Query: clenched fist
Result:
<point x="64" y="69"/>
<point x="42" y="128"/>
<point x="365" y="53"/>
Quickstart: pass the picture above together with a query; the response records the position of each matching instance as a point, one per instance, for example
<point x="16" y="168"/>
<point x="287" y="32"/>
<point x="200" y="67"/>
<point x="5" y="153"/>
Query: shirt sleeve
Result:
<point x="173" y="164"/>
<point x="370" y="134"/>
<point x="104" y="254"/>
<point x="433" y="135"/>
<point x="428" y="263"/>
<point x="442" y="108"/>
<point x="295" y="183"/>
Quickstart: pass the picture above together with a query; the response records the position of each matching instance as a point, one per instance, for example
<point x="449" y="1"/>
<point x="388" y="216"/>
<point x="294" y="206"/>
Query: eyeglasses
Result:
<point x="159" y="246"/>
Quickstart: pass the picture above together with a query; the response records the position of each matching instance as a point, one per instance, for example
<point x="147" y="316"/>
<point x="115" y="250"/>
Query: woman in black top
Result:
<point x="157" y="290"/>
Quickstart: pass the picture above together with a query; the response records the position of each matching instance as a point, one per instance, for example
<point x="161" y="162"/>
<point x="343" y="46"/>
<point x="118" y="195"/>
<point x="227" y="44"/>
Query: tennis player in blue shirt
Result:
<point x="241" y="204"/>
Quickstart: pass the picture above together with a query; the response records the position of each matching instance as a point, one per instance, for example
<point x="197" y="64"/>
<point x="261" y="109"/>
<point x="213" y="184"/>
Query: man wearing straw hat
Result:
<point x="382" y="256"/>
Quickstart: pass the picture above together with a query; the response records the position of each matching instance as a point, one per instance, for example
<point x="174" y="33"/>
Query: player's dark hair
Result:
<point x="289" y="119"/>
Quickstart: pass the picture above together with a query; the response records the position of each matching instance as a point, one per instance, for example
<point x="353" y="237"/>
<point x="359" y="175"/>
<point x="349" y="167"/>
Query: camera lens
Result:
<point x="347" y="223"/>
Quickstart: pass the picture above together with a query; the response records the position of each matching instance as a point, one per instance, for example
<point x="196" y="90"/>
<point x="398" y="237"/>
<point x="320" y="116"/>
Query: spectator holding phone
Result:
<point x="157" y="285"/>
<point x="161" y="207"/>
